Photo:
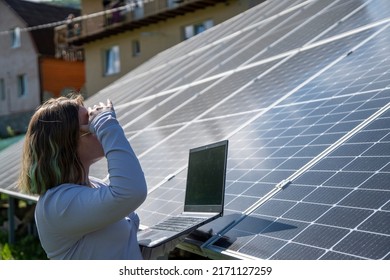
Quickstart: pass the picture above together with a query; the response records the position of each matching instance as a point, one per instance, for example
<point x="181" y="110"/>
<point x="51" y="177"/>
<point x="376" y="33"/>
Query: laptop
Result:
<point x="204" y="196"/>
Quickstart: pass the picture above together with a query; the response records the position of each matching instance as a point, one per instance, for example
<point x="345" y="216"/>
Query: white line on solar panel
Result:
<point x="331" y="97"/>
<point x="156" y="128"/>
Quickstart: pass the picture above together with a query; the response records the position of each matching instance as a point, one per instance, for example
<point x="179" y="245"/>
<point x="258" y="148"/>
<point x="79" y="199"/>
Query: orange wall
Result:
<point x="58" y="74"/>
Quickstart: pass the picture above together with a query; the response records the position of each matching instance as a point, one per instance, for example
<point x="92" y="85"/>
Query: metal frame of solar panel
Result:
<point x="301" y="89"/>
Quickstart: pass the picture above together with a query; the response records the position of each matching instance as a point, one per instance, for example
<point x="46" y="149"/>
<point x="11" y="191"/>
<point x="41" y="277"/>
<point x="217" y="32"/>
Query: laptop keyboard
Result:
<point x="178" y="223"/>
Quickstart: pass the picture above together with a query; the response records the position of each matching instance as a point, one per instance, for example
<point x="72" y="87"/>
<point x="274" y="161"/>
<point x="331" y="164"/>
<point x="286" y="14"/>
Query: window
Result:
<point x="112" y="61"/>
<point x="194" y="29"/>
<point x="136" y="48"/>
<point x="173" y="3"/>
<point x="188" y="32"/>
<point x="22" y="85"/>
<point x="15" y="38"/>
<point x="2" y="90"/>
<point x="138" y="10"/>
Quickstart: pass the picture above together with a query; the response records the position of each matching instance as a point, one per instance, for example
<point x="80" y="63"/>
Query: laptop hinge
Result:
<point x="200" y="214"/>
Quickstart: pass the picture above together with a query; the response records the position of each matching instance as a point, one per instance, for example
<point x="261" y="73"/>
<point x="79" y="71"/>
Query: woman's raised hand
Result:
<point x="97" y="109"/>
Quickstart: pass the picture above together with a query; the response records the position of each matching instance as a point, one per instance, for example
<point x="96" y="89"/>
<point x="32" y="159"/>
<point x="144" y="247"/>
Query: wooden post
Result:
<point x="11" y="220"/>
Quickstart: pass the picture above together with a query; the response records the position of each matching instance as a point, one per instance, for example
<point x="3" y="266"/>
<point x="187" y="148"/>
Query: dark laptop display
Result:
<point x="205" y="178"/>
<point x="204" y="196"/>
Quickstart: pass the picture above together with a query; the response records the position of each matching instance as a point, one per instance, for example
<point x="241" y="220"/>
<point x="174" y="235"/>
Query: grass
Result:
<point x="26" y="248"/>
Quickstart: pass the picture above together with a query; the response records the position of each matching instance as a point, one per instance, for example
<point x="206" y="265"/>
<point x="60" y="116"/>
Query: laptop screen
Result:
<point x="206" y="174"/>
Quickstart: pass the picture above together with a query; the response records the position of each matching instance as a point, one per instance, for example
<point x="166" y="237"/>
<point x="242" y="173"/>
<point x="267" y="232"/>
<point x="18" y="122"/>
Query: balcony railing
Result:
<point x="64" y="49"/>
<point x="121" y="16"/>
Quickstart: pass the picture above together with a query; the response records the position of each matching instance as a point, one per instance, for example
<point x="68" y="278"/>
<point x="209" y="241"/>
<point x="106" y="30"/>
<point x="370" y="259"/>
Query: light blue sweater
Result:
<point x="79" y="222"/>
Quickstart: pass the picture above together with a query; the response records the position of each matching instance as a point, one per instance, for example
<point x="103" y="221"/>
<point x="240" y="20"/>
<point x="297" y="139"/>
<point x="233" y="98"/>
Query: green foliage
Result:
<point x="26" y="248"/>
<point x="10" y="131"/>
<point x="5" y="252"/>
<point x="29" y="248"/>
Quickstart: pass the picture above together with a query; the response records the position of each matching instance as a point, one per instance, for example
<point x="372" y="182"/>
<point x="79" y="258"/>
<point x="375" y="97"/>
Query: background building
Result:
<point x="29" y="69"/>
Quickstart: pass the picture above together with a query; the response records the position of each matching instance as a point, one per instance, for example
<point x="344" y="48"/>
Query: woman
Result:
<point x="79" y="217"/>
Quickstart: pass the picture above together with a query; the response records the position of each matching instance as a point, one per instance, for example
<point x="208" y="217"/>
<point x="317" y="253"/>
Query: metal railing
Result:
<point x="124" y="15"/>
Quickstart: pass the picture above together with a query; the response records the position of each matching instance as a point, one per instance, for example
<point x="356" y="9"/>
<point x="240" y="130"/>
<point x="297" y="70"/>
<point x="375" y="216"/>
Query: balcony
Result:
<point x="64" y="49"/>
<point x="122" y="16"/>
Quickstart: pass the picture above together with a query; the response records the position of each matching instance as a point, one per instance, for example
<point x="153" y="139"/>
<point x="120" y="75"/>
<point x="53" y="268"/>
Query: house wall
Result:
<point x="153" y="39"/>
<point x="14" y="62"/>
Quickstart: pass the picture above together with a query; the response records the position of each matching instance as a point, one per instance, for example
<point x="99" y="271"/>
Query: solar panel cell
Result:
<point x="370" y="199"/>
<point x="332" y="163"/>
<point x="240" y="203"/>
<point x="321" y="236"/>
<point x="347" y="179"/>
<point x="337" y="256"/>
<point x="268" y="248"/>
<point x="364" y="244"/>
<point x="327" y="195"/>
<point x="378" y="181"/>
<point x="378" y="222"/>
<point x="294" y="251"/>
<point x="307" y="212"/>
<point x="274" y="208"/>
<point x="344" y="217"/>
<point x="258" y="190"/>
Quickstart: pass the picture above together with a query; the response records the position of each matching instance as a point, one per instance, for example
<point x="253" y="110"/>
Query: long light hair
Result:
<point x="50" y="149"/>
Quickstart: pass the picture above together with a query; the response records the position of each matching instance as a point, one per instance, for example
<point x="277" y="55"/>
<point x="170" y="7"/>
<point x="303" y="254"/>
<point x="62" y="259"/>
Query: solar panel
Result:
<point x="331" y="213"/>
<point x="301" y="90"/>
<point x="327" y="198"/>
